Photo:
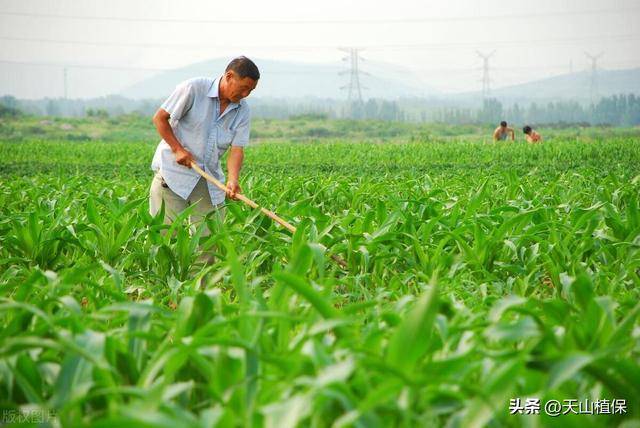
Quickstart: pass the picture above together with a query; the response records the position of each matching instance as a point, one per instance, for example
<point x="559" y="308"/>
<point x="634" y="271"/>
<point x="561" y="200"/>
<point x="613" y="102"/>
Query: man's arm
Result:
<point x="161" y="121"/>
<point x="513" y="134"/>
<point x="496" y="136"/>
<point x="234" y="165"/>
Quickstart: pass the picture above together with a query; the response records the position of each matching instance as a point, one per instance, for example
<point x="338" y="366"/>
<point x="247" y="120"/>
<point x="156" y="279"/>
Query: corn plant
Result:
<point x="476" y="274"/>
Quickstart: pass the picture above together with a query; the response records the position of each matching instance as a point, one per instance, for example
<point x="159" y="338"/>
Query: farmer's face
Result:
<point x="239" y="88"/>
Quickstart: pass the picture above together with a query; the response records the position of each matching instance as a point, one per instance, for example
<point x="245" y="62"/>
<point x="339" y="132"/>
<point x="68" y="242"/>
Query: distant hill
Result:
<point x="280" y="79"/>
<point x="574" y="86"/>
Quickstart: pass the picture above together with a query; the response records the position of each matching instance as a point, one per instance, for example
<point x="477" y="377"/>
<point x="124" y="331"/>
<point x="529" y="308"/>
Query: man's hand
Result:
<point x="184" y="157"/>
<point x="232" y="189"/>
<point x="161" y="120"/>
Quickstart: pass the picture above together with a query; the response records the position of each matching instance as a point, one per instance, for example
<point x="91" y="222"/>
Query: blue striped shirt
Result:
<point x="194" y="109"/>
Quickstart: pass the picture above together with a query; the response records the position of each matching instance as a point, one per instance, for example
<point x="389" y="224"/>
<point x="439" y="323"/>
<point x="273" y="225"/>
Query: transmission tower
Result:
<point x="65" y="82"/>
<point x="594" y="74"/>
<point x="354" y="87"/>
<point x="486" y="80"/>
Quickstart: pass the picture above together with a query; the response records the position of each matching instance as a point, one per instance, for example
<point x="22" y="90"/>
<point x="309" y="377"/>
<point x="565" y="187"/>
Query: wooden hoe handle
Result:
<point x="254" y="205"/>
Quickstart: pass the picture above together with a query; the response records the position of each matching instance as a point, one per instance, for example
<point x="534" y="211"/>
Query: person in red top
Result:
<point x="531" y="136"/>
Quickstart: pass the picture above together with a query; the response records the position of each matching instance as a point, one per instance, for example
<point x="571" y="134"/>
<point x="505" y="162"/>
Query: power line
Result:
<point x="630" y="63"/>
<point x="503" y="43"/>
<point x="509" y="43"/>
<point x="495" y="17"/>
<point x="150" y="69"/>
<point x="82" y="66"/>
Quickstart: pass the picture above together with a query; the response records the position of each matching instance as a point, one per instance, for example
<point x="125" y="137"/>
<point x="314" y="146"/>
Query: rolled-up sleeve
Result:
<point x="180" y="101"/>
<point x="241" y="136"/>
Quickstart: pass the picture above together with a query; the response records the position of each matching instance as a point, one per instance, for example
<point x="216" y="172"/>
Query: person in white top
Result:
<point x="199" y="122"/>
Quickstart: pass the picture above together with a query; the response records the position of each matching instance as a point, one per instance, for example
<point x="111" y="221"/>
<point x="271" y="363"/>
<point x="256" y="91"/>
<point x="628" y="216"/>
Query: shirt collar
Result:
<point x="213" y="92"/>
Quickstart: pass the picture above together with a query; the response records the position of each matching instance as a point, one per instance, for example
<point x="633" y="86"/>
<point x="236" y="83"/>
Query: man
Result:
<point x="501" y="133"/>
<point x="199" y="121"/>
<point x="531" y="136"/>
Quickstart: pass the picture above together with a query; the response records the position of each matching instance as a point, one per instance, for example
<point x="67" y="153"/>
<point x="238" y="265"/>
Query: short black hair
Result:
<point x="503" y="123"/>
<point x="526" y="129"/>
<point x="244" y="67"/>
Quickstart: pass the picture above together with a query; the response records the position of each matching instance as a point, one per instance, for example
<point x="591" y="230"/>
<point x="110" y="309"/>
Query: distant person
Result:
<point x="502" y="132"/>
<point x="199" y="122"/>
<point x="531" y="136"/>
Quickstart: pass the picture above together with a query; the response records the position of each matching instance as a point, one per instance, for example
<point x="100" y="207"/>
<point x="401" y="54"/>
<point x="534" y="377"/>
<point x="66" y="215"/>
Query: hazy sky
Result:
<point x="107" y="46"/>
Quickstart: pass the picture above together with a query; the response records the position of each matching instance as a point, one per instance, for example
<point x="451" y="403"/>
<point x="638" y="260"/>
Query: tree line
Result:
<point x="617" y="110"/>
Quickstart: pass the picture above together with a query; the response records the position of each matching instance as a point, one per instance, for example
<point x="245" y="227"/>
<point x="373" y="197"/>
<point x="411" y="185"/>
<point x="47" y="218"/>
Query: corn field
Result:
<point x="476" y="273"/>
